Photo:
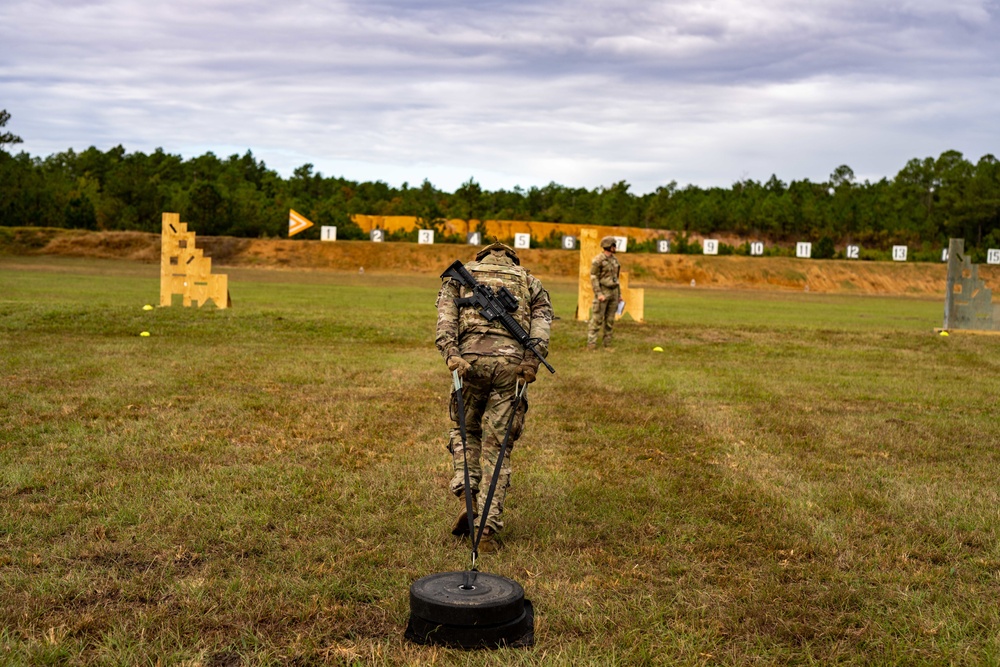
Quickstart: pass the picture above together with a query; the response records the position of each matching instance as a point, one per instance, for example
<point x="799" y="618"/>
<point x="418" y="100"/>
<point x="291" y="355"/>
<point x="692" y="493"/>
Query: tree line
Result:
<point x="926" y="203"/>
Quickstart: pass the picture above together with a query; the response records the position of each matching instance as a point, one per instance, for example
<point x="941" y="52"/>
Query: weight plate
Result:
<point x="517" y="633"/>
<point x="443" y="598"/>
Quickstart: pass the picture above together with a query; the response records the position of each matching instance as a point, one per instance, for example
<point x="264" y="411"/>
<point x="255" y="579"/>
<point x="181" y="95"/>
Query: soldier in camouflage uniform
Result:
<point x="604" y="272"/>
<point x="490" y="362"/>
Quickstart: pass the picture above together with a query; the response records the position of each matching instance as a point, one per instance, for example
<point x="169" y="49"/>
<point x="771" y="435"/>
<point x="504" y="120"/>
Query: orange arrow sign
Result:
<point x="297" y="223"/>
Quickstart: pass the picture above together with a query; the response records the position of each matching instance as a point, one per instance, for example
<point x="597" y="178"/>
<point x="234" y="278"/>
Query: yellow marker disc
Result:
<point x="144" y="334"/>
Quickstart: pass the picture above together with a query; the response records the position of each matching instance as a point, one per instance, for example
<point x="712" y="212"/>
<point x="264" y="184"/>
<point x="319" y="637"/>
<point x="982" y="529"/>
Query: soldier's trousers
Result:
<point x="602" y="318"/>
<point x="487" y="394"/>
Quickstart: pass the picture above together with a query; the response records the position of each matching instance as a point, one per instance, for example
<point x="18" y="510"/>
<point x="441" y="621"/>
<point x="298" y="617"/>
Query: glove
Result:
<point x="528" y="367"/>
<point x="457" y="363"/>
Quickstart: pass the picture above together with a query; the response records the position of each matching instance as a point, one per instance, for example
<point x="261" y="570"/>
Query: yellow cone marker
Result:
<point x="147" y="307"/>
<point x="144" y="334"/>
<point x="657" y="349"/>
<point x="944" y="333"/>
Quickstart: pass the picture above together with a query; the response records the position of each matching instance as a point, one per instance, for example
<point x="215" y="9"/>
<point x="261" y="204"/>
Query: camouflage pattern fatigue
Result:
<point x="487" y="396"/>
<point x="468" y="332"/>
<point x="604" y="272"/>
<point x="494" y="354"/>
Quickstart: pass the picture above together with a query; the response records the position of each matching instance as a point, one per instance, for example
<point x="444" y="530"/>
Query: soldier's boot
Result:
<point x="461" y="525"/>
<point x="488" y="543"/>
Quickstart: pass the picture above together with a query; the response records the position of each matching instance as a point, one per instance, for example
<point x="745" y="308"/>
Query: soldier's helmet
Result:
<point x="609" y="242"/>
<point x="498" y="248"/>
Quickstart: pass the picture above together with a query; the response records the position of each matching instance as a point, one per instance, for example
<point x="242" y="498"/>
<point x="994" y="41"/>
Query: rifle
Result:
<point x="493" y="305"/>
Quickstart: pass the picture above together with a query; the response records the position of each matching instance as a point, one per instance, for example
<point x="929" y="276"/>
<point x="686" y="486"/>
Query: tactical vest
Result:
<point x="608" y="271"/>
<point x="494" y="276"/>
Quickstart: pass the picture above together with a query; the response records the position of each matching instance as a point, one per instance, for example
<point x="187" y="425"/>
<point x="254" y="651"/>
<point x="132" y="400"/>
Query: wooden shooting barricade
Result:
<point x="590" y="247"/>
<point x="186" y="271"/>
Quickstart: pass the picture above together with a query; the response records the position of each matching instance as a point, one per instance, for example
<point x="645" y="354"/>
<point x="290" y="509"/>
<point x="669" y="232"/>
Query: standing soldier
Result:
<point x="604" y="272"/>
<point x="490" y="362"/>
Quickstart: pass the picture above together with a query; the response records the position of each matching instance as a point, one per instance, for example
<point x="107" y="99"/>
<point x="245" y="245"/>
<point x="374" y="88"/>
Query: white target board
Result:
<point x="621" y="243"/>
<point x="757" y="248"/>
<point x="993" y="256"/>
<point x="944" y="255"/>
<point x="425" y="237"/>
<point x="522" y="241"/>
<point x="474" y="238"/>
<point x="662" y="245"/>
<point x="569" y="242"/>
<point x="711" y="247"/>
<point x="804" y="249"/>
<point x="852" y="252"/>
<point x="377" y="235"/>
<point x="899" y="253"/>
<point x="327" y="233"/>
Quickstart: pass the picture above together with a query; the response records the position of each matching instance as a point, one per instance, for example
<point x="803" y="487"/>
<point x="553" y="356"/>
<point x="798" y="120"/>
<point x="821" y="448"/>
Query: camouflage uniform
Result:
<point x="494" y="355"/>
<point x="604" y="272"/>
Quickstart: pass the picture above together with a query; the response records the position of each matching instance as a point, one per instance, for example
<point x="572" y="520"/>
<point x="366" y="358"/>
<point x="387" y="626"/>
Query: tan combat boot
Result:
<point x="461" y="525"/>
<point x="488" y="544"/>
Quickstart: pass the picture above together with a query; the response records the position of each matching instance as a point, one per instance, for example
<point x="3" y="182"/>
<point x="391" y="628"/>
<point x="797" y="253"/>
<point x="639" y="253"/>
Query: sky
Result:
<point x="515" y="93"/>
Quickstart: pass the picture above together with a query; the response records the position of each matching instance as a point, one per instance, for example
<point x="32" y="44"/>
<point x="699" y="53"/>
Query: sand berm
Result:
<point x="720" y="272"/>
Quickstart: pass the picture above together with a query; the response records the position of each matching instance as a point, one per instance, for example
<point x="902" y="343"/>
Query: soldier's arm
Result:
<point x="447" y="319"/>
<point x="541" y="315"/>
<point x="595" y="275"/>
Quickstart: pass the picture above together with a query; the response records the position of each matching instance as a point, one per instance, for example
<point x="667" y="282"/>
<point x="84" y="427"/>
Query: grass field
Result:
<point x="796" y="479"/>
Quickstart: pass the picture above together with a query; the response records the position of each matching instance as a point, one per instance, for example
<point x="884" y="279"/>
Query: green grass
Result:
<point x="796" y="479"/>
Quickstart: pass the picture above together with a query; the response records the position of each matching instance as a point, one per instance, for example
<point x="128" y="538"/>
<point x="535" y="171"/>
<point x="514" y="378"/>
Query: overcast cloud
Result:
<point x="582" y="93"/>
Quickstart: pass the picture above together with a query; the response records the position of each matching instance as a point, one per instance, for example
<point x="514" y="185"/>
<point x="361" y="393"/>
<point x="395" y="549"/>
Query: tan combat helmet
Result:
<point x="609" y="242"/>
<point x="498" y="248"/>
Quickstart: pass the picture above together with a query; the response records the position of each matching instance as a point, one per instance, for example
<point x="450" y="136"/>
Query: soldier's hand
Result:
<point x="457" y="363"/>
<point x="601" y="297"/>
<point x="526" y="372"/>
<point x="528" y="367"/>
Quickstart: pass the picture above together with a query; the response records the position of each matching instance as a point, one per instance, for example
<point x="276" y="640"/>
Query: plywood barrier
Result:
<point x="185" y="270"/>
<point x="590" y="247"/>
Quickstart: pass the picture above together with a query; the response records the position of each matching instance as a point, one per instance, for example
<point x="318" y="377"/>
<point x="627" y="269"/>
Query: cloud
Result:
<point x="514" y="93"/>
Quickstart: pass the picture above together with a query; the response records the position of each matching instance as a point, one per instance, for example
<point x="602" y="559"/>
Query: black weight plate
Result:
<point x="491" y="599"/>
<point x="517" y="633"/>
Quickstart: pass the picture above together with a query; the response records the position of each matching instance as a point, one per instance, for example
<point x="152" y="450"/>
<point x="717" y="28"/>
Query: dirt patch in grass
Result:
<point x="721" y="272"/>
